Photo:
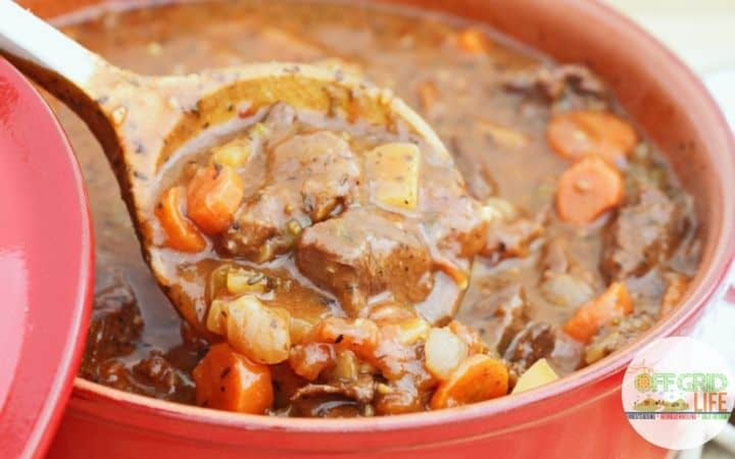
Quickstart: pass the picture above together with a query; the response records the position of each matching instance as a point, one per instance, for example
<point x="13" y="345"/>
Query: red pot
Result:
<point x="578" y="416"/>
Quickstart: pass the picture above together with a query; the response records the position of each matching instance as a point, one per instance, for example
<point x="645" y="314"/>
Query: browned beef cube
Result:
<point x="453" y="218"/>
<point x="645" y="232"/>
<point x="362" y="253"/>
<point x="310" y="177"/>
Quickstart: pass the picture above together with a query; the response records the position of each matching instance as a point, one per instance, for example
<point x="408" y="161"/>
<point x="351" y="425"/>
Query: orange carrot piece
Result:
<point x="226" y="380"/>
<point x="576" y="134"/>
<point x="181" y="234"/>
<point x="214" y="194"/>
<point x="473" y="41"/>
<point x="615" y="303"/>
<point x="587" y="189"/>
<point x="478" y="378"/>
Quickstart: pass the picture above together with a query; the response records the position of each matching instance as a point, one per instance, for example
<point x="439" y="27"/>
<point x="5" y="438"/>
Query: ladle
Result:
<point x="142" y="120"/>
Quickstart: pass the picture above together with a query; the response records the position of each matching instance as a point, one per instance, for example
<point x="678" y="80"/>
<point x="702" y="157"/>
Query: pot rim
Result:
<point x="710" y="284"/>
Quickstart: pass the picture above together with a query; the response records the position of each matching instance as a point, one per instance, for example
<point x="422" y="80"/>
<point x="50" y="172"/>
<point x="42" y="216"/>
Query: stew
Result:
<point x="335" y="268"/>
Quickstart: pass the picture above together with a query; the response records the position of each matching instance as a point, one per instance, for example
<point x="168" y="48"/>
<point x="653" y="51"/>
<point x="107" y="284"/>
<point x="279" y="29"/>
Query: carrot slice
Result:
<point x="613" y="304"/>
<point x="576" y="134"/>
<point x="180" y="233"/>
<point x="214" y="194"/>
<point x="587" y="189"/>
<point x="226" y="380"/>
<point x="478" y="378"/>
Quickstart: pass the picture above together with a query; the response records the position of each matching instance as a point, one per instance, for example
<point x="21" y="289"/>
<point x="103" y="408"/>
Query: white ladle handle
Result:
<point x="24" y="36"/>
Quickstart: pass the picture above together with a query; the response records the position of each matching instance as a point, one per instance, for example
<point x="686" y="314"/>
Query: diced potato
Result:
<point x="217" y="317"/>
<point x="234" y="153"/>
<point x="538" y="374"/>
<point x="393" y="172"/>
<point x="413" y="330"/>
<point x="261" y="333"/>
<point x="444" y="352"/>
<point x="241" y="281"/>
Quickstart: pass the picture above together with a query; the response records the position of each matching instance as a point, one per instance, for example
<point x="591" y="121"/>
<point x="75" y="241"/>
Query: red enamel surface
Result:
<point x="45" y="268"/>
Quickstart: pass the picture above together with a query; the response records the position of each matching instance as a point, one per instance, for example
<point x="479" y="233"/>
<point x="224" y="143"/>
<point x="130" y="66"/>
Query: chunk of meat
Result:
<point x="158" y="372"/>
<point x="362" y="253"/>
<point x="552" y="84"/>
<point x="454" y="221"/>
<point x="116" y="326"/>
<point x="537" y="340"/>
<point x="361" y="390"/>
<point x="407" y="394"/>
<point x="644" y="233"/>
<point x="310" y="178"/>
